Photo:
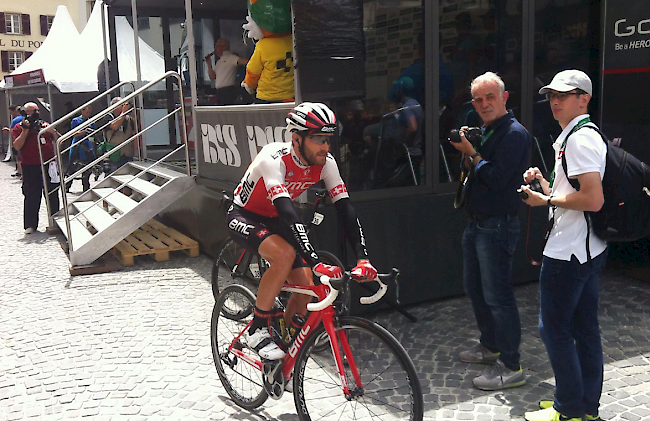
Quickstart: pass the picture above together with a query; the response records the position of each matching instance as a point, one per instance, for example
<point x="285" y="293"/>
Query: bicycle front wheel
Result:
<point x="241" y="379"/>
<point x="386" y="388"/>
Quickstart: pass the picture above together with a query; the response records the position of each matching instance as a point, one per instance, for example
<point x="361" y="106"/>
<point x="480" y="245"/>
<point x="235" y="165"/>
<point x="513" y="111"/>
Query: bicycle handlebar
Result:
<point x="382" y="280"/>
<point x="321" y="305"/>
<point x="377" y="295"/>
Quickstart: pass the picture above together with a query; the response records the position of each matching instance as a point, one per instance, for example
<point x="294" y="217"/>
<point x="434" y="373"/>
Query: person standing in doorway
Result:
<point x="492" y="231"/>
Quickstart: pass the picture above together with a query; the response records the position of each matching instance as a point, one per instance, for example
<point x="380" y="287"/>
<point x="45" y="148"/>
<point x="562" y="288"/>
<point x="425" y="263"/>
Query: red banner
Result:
<point x="34" y="77"/>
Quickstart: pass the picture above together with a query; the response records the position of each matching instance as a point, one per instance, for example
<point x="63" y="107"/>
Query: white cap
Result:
<point x="569" y="80"/>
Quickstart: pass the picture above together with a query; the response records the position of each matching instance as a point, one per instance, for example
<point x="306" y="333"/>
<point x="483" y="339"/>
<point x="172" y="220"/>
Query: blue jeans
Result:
<point x="488" y="246"/>
<point x="568" y="325"/>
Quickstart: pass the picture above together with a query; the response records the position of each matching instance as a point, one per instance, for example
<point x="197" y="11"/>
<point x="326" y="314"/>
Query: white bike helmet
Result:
<point x="311" y="118"/>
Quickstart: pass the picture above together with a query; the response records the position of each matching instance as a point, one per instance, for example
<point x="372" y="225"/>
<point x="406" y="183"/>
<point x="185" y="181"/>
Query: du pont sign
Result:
<point x="230" y="137"/>
<point x="34" y="77"/>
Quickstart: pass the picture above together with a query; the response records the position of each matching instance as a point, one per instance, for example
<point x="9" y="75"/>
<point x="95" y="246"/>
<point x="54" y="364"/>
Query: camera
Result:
<point x="34" y="120"/>
<point x="473" y="135"/>
<point x="534" y="186"/>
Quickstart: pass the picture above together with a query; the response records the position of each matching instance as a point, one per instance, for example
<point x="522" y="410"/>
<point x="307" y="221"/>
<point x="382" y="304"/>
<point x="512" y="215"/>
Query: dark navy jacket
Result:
<point x="506" y="155"/>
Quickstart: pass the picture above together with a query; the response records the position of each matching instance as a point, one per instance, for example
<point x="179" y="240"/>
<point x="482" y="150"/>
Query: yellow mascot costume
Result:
<point x="270" y="68"/>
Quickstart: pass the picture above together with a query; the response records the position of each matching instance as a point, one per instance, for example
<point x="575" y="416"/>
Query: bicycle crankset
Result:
<point x="273" y="379"/>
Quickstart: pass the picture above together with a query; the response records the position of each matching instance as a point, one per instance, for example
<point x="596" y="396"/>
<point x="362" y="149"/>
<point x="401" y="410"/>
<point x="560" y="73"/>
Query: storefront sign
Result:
<point x="627" y="37"/>
<point x="19" y="43"/>
<point x="34" y="77"/>
<point x="626" y="70"/>
<point x="230" y="137"/>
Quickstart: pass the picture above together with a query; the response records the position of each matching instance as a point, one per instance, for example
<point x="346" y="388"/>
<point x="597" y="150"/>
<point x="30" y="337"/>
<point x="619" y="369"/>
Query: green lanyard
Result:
<point x="575" y="128"/>
<point x="485" y="137"/>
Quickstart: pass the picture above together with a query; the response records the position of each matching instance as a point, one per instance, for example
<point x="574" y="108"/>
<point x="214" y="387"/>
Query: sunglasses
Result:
<point x="319" y="139"/>
<point x="561" y="96"/>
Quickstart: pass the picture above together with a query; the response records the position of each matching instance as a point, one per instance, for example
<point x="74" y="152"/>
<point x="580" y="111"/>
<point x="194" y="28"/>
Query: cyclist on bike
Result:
<point x="264" y="219"/>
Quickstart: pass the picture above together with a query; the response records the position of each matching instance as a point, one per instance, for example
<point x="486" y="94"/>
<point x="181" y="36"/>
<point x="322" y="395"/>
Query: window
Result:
<point x="382" y="140"/>
<point x="562" y="40"/>
<point x="46" y="24"/>
<point x="474" y="39"/>
<point x="12" y="22"/>
<point x="15" y="60"/>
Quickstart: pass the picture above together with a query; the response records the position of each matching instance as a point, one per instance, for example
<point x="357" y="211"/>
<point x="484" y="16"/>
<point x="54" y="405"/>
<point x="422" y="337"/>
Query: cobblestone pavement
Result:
<point x="134" y="344"/>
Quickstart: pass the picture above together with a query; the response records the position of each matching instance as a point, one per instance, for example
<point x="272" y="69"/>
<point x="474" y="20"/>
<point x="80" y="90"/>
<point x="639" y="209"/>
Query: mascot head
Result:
<point x="267" y="18"/>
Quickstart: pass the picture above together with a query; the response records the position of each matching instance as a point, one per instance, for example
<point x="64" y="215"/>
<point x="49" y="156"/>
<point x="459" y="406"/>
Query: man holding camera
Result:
<point x="26" y="141"/>
<point x="573" y="254"/>
<point x="495" y="159"/>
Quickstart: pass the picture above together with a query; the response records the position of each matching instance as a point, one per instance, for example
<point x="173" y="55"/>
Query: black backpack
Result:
<point x="625" y="215"/>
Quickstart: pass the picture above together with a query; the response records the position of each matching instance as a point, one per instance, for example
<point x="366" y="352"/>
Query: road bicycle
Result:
<point x="365" y="373"/>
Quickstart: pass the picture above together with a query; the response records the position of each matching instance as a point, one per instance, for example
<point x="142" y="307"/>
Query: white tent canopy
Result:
<point x="55" y="55"/>
<point x="70" y="60"/>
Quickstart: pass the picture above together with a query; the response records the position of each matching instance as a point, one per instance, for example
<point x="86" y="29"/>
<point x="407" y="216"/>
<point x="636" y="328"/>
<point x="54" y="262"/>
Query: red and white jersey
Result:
<point x="277" y="172"/>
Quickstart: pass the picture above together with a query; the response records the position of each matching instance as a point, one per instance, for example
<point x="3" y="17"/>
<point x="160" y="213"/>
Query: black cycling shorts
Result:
<point x="250" y="229"/>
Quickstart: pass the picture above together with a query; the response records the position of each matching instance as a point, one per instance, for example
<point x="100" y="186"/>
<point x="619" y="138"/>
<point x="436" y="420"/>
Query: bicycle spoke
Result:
<point x="389" y="388"/>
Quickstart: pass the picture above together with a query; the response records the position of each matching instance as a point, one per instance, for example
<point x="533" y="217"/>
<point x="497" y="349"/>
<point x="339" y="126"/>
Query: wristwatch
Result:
<point x="474" y="155"/>
<point x="548" y="202"/>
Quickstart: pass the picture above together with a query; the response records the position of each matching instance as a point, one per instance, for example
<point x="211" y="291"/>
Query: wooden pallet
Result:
<point x="154" y="239"/>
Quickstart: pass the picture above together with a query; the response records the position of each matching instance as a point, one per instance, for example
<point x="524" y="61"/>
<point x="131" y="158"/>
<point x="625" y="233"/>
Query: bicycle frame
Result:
<point x="326" y="316"/>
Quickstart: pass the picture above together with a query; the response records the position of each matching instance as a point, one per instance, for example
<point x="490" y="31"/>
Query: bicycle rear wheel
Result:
<point x="389" y="389"/>
<point x="241" y="380"/>
<point x="235" y="265"/>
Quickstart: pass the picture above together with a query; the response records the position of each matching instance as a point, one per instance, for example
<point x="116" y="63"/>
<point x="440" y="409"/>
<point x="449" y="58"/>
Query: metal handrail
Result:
<point x="117" y="148"/>
<point x="100" y="115"/>
<point x="52" y="128"/>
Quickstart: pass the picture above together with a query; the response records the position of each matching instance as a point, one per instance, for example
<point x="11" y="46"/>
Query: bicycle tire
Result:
<point x="390" y="382"/>
<point x="242" y="382"/>
<point x="222" y="268"/>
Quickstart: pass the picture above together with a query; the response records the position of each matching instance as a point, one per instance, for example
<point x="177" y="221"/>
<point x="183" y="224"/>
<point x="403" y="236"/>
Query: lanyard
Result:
<point x="575" y="128"/>
<point x="486" y="136"/>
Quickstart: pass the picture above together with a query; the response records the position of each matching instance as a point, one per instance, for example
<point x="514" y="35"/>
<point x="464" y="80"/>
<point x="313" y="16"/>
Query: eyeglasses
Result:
<point x="561" y="96"/>
<point x="319" y="139"/>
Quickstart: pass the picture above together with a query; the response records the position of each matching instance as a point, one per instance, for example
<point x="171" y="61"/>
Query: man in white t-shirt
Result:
<point x="573" y="255"/>
<point x="224" y="71"/>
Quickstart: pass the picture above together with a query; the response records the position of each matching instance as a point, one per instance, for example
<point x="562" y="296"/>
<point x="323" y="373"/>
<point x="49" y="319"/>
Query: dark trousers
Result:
<point x="33" y="191"/>
<point x="488" y="246"/>
<point x="568" y="326"/>
<point x="227" y="95"/>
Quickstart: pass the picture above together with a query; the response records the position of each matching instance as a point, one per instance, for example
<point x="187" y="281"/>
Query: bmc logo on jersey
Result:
<point x="220" y="145"/>
<point x="299" y="186"/>
<point x="259" y="137"/>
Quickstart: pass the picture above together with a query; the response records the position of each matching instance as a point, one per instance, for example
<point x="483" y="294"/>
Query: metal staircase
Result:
<point x="104" y="215"/>
<point x="123" y="201"/>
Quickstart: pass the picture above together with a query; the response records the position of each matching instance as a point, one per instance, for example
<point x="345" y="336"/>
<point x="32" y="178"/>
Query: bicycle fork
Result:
<point x="338" y="336"/>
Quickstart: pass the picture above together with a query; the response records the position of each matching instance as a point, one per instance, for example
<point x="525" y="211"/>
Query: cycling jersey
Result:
<point x="275" y="177"/>
<point x="277" y="172"/>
